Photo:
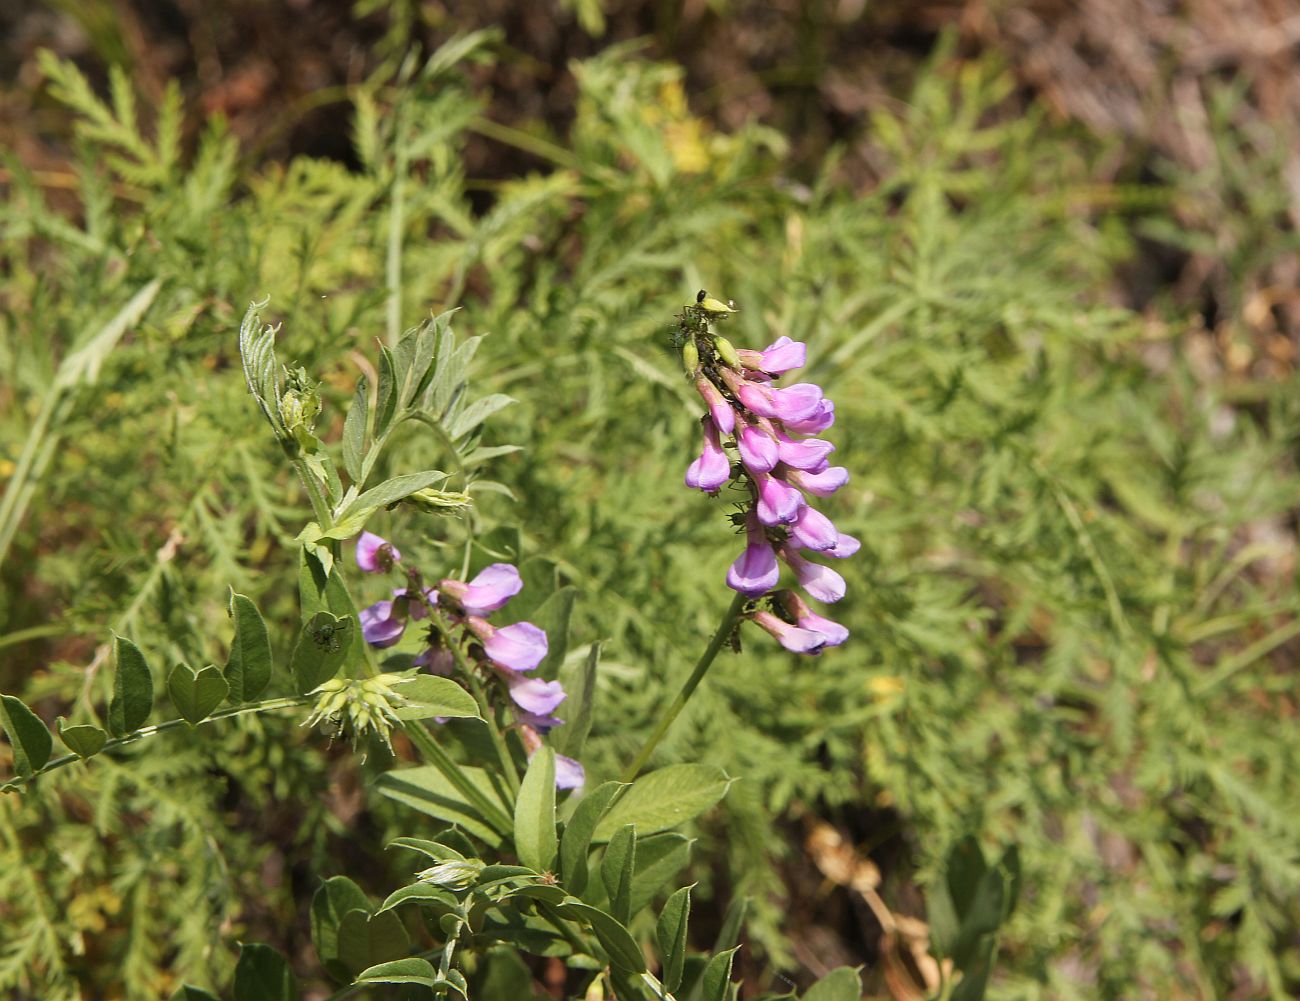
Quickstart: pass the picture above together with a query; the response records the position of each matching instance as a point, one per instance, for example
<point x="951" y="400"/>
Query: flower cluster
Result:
<point x="502" y="654"/>
<point x="765" y="439"/>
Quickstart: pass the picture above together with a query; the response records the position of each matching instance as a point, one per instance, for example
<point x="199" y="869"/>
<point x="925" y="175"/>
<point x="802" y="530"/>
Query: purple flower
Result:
<point x="534" y="695"/>
<point x="723" y="416"/>
<point x="520" y="647"/>
<point x="438" y="660"/>
<point x="781" y="355"/>
<point x="813" y="530"/>
<point x="821" y="582"/>
<point x="712" y="469"/>
<point x="808" y="454"/>
<point x="490" y="590"/>
<point x="821" y="484"/>
<point x="568" y="773"/>
<point x="795" y="403"/>
<point x="793" y="638"/>
<point x="806" y="618"/>
<point x="757" y="449"/>
<point x="542" y="724"/>
<point x="376" y="555"/>
<point x="381" y="624"/>
<point x="845" y="546"/>
<point x="414" y="607"/>
<point x="778" y="502"/>
<point x="820" y="420"/>
<point x="755" y="571"/>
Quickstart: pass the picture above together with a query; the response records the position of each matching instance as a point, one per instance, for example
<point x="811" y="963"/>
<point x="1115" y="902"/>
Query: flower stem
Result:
<point x="433" y="753"/>
<point x="725" y="627"/>
<point x="148" y="731"/>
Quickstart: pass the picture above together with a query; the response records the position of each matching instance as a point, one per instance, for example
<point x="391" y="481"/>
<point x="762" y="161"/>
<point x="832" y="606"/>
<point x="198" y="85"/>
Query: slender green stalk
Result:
<point x="725" y="627"/>
<point x="320" y="507"/>
<point x="396" y="222"/>
<point x="266" y="705"/>
<point x="440" y="759"/>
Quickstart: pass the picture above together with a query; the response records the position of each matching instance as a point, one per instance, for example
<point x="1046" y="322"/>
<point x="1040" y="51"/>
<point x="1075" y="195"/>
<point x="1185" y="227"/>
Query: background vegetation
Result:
<point x="1046" y="270"/>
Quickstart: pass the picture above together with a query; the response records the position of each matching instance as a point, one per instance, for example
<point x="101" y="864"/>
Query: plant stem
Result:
<point x="148" y="731"/>
<point x="440" y="759"/>
<point x="725" y="627"/>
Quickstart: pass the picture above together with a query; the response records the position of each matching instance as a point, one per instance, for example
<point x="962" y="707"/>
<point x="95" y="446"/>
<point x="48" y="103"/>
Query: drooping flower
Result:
<point x="808" y="454"/>
<point x="778" y="502"/>
<point x="712" y="469"/>
<point x="759" y="451"/>
<point x="518" y="647"/>
<point x="719" y="409"/>
<point x="437" y="659"/>
<point x="793" y="638"/>
<point x="813" y="530"/>
<point x="821" y="484"/>
<point x="782" y="355"/>
<point x="490" y="590"/>
<point x="382" y="624"/>
<point x="535" y="695"/>
<point x="755" y="571"/>
<point x="821" y="419"/>
<point x="374" y="554"/>
<point x="806" y="618"/>
<point x="821" y="582"/>
<point x="794" y="403"/>
<point x="568" y="773"/>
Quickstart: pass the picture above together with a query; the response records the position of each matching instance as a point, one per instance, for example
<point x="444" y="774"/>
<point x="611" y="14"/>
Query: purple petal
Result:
<point x="712" y="469"/>
<point x="535" y="695"/>
<point x="813" y="530"/>
<point x="821" y="582"/>
<point x="723" y="416"/>
<point x="542" y="724"/>
<point x="519" y="647"/>
<point x="568" y="773"/>
<point x="757" y="449"/>
<point x="372" y="556"/>
<point x="492" y="588"/>
<point x="823" y="418"/>
<point x="821" y="484"/>
<point x="783" y="354"/>
<point x="415" y="609"/>
<point x="793" y="638"/>
<point x="755" y="571"/>
<point x="379" y="626"/>
<point x="834" y="632"/>
<point x="778" y="502"/>
<point x="846" y="545"/>
<point x="808" y="454"/>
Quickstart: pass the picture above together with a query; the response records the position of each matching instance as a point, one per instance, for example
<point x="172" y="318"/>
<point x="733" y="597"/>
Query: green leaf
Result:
<point x="354" y="431"/>
<point x="30" y="737"/>
<point x="552" y="617"/>
<point x="576" y="842"/>
<point x="420" y="893"/>
<point x="670" y="936"/>
<point x="402" y="971"/>
<point x="132" y="689"/>
<point x="621" y="948"/>
<point x="717" y="976"/>
<point x="366" y="940"/>
<point x="732" y="924"/>
<point x="83" y="740"/>
<point x="975" y="973"/>
<point x="435" y="850"/>
<point x="841" y="984"/>
<point x="196" y="694"/>
<point x="965" y="868"/>
<point x="426" y="789"/>
<point x="983" y="916"/>
<point x="386" y="398"/>
<point x="321" y="649"/>
<point x="248" y="668"/>
<point x="664" y="799"/>
<point x="943" y="920"/>
<point x="263" y="975"/>
<point x="579" y="680"/>
<point x="616" y="872"/>
<point x="333" y="899"/>
<point x="658" y="859"/>
<point x="428" y="696"/>
<point x="188" y="993"/>
<point x="535" y="840"/>
<point x="388" y="492"/>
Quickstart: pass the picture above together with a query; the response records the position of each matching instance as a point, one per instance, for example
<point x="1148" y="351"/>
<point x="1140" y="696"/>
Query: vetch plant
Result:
<point x="523" y="858"/>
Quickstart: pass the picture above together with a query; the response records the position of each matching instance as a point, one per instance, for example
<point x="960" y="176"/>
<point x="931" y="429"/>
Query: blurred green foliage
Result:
<point x="1077" y="575"/>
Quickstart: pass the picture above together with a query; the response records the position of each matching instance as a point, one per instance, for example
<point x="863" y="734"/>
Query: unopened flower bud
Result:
<point x="690" y="357"/>
<point x="726" y="351"/>
<point x="454" y="874"/>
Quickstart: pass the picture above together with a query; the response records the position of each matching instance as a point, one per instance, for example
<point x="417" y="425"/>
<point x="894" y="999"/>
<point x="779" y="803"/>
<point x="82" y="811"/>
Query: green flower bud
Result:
<point x="454" y="874"/>
<point x="690" y="357"/>
<point x="726" y="351"/>
<point x="713" y="306"/>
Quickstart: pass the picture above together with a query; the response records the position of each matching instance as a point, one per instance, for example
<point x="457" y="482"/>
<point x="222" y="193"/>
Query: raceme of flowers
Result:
<point x="505" y="653"/>
<point x="765" y="438"/>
